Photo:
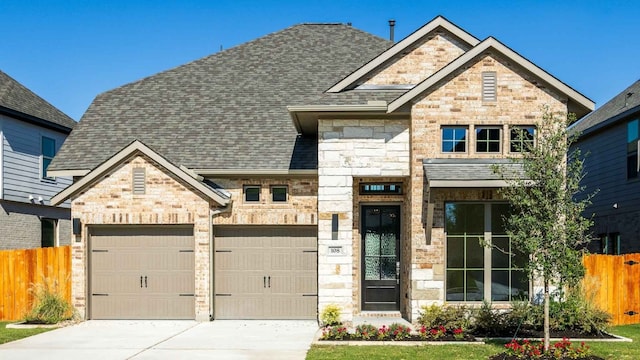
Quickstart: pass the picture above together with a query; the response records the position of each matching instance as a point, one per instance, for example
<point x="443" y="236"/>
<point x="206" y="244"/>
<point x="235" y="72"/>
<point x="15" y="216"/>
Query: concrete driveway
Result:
<point x="129" y="339"/>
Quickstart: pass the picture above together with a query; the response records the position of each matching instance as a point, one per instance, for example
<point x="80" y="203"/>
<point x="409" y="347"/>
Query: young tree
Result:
<point x="546" y="221"/>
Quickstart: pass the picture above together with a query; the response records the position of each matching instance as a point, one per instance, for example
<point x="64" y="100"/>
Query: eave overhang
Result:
<point x="133" y="149"/>
<point x="305" y="117"/>
<point x="470" y="173"/>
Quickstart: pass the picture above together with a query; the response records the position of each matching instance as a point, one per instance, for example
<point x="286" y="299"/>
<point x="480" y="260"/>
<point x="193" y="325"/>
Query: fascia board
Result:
<point x="122" y="155"/>
<point x="394" y="50"/>
<point x="490" y="43"/>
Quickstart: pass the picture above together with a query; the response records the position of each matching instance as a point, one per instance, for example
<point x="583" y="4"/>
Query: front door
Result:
<point x="381" y="257"/>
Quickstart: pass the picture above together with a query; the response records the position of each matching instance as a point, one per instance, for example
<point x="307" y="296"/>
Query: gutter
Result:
<point x="212" y="214"/>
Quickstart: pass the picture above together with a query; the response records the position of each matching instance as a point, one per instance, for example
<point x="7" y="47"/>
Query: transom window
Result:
<point x="252" y="193"/>
<point x="521" y="138"/>
<point x="488" y="139"/>
<point x="633" y="140"/>
<point x="454" y="139"/>
<point x="48" y="152"/>
<point x="475" y="272"/>
<point x="279" y="193"/>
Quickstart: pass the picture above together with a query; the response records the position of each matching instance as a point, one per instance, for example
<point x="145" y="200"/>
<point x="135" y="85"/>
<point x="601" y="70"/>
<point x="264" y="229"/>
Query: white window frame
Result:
<point x="43" y="157"/>
<point x="244" y="194"/>
<point x="286" y="194"/>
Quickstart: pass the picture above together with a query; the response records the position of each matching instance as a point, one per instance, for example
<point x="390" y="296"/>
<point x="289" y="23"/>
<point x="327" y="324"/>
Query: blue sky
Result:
<point x="70" y="51"/>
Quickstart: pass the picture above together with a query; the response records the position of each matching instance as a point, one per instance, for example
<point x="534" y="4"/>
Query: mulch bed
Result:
<point x="529" y="333"/>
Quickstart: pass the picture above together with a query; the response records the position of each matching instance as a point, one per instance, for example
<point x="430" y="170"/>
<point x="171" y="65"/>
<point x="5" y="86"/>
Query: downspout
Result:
<point x="213" y="213"/>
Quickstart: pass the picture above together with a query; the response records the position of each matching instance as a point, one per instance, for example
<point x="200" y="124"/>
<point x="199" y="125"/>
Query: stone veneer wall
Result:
<point x="166" y="201"/>
<point x="372" y="148"/>
<point x="437" y="50"/>
<point x="520" y="101"/>
<point x="301" y="207"/>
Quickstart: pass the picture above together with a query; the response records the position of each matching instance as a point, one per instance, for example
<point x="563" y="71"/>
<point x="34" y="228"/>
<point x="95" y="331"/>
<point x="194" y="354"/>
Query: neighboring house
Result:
<point x="610" y="137"/>
<point x="32" y="131"/>
<point x="199" y="198"/>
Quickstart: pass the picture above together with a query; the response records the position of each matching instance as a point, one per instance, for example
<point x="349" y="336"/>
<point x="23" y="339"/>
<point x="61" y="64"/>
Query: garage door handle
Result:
<point x="140" y="281"/>
<point x="269" y="281"/>
<point x="145" y="281"/>
<point x="264" y="281"/>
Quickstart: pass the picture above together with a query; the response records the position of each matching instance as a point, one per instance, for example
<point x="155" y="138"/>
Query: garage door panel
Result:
<point x="143" y="270"/>
<point x="284" y="257"/>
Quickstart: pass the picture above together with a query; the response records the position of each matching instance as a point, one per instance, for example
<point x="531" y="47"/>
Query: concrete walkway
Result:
<point x="221" y="339"/>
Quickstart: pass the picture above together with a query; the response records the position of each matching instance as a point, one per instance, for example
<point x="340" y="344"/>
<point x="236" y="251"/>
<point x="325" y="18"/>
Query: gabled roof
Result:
<point x="227" y="111"/>
<point x="624" y="104"/>
<point x="438" y="22"/>
<point x="578" y="103"/>
<point x="20" y="102"/>
<point x="133" y="149"/>
<point x="466" y="173"/>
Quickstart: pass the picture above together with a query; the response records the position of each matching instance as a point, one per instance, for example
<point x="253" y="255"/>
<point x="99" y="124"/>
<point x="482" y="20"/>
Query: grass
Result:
<point x="607" y="350"/>
<point x="7" y="335"/>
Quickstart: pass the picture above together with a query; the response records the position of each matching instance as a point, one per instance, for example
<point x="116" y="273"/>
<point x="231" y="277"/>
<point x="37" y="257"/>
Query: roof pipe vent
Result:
<point x="392" y="25"/>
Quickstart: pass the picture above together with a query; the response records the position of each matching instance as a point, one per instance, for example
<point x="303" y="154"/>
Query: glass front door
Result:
<point x="380" y="257"/>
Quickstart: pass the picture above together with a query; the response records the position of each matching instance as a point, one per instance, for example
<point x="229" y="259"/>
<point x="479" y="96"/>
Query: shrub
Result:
<point x="49" y="306"/>
<point x="450" y="317"/>
<point x="366" y="331"/>
<point x="330" y="315"/>
<point x="488" y="321"/>
<point x="398" y="331"/>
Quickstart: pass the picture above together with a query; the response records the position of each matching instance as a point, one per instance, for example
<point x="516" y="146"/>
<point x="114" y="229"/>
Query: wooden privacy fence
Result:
<point x="21" y="269"/>
<point x="614" y="283"/>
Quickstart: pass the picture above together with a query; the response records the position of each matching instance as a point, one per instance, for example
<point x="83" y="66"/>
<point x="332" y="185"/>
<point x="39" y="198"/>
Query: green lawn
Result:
<point x="7" y="335"/>
<point x="471" y="352"/>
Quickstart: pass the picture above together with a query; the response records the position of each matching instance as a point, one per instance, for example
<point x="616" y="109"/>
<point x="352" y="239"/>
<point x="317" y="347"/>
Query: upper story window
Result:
<point x="48" y="152"/>
<point x="279" y="193"/>
<point x="489" y="79"/>
<point x="488" y="139"/>
<point x="521" y="138"/>
<point x="454" y="139"/>
<point x="252" y="193"/>
<point x="633" y="141"/>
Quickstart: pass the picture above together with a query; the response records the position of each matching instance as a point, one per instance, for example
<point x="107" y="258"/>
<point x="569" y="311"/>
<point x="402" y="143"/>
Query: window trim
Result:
<point x="488" y="262"/>
<point x="465" y="140"/>
<point x="56" y="238"/>
<point x="44" y="157"/>
<point x="244" y="193"/>
<point x="520" y="141"/>
<point x="489" y="140"/>
<point x="286" y="194"/>
<point x="634" y="151"/>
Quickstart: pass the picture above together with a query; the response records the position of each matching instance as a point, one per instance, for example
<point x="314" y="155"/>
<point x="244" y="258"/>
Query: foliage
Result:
<point x="49" y="306"/>
<point x="330" y="315"/>
<point x="450" y="317"/>
<point x="546" y="219"/>
<point x="560" y="350"/>
<point x="366" y="331"/>
<point x="383" y="333"/>
<point x="334" y="333"/>
<point x="398" y="331"/>
<point x="607" y="350"/>
<point x="488" y="321"/>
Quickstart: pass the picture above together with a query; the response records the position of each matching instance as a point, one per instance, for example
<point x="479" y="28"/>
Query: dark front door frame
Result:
<point x="384" y="295"/>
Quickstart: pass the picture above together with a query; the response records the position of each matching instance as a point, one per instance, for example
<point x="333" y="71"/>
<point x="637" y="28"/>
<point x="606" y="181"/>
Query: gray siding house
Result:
<point x="610" y="136"/>
<point x="32" y="131"/>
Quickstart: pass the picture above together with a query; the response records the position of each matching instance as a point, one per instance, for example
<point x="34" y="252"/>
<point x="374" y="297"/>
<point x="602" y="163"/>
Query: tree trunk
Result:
<point x="546" y="316"/>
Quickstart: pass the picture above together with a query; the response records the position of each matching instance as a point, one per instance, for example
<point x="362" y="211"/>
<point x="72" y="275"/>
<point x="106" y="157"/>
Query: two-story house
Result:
<point x="610" y="137"/>
<point x="32" y="131"/>
<point x="319" y="164"/>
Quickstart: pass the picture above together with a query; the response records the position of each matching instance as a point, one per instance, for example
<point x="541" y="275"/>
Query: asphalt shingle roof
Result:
<point x="470" y="169"/>
<point x="16" y="97"/>
<point x="620" y="104"/>
<point x="228" y="110"/>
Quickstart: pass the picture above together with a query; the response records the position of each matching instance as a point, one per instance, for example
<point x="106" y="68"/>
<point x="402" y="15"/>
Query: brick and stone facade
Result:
<point x="167" y="201"/>
<point x="347" y="150"/>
